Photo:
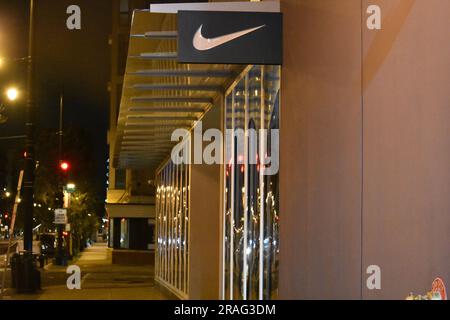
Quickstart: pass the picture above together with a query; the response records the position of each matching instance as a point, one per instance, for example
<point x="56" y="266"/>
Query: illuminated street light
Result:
<point x="7" y="194"/>
<point x="12" y="93"/>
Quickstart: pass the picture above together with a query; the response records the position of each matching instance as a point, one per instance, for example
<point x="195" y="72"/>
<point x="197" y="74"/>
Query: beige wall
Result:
<point x="320" y="157"/>
<point x="365" y="176"/>
<point x="204" y="223"/>
<point x="407" y="146"/>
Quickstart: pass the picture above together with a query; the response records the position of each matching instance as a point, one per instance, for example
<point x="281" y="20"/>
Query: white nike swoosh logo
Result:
<point x="202" y="44"/>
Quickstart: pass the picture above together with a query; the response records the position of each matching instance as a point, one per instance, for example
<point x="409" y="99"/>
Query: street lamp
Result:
<point x="12" y="93"/>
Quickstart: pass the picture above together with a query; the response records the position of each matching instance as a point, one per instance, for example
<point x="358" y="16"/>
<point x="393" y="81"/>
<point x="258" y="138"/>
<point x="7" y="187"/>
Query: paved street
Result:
<point x="100" y="280"/>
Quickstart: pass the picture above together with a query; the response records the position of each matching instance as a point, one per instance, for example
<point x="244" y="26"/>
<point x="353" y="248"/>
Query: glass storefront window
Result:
<point x="271" y="185"/>
<point x="251" y="214"/>
<point x="253" y="120"/>
<point x="124" y="235"/>
<point x="239" y="190"/>
<point x="229" y="192"/>
<point x="111" y="233"/>
<point x="172" y="225"/>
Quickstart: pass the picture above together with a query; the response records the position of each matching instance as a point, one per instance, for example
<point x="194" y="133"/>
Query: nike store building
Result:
<point x="313" y="139"/>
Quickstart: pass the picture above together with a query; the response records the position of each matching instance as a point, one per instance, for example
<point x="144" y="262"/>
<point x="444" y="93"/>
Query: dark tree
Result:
<point x="86" y="204"/>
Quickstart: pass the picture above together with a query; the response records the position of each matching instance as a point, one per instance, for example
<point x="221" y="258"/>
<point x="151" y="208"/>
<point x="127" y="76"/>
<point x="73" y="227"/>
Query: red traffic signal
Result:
<point x="64" y="166"/>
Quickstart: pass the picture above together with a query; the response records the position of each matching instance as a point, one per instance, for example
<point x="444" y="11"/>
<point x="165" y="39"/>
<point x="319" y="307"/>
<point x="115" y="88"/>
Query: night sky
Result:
<point x="76" y="60"/>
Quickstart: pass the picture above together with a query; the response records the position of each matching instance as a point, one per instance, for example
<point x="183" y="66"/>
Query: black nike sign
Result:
<point x="230" y="37"/>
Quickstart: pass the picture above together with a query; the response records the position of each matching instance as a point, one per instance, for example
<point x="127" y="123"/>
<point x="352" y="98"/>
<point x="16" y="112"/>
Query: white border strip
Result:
<point x="247" y="6"/>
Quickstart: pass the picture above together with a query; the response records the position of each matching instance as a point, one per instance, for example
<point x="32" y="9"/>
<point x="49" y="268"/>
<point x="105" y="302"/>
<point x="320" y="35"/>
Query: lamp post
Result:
<point x="28" y="182"/>
<point x="63" y="168"/>
<point x="23" y="268"/>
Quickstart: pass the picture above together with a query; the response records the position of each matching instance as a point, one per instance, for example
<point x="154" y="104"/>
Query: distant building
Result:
<point x="131" y="196"/>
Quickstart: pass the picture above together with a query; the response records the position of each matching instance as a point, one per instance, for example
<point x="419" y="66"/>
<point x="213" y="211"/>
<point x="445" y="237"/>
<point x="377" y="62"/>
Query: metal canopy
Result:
<point x="160" y="95"/>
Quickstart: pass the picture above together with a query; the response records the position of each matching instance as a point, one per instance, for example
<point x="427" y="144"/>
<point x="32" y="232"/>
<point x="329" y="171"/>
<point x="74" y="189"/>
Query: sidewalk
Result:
<point x="100" y="280"/>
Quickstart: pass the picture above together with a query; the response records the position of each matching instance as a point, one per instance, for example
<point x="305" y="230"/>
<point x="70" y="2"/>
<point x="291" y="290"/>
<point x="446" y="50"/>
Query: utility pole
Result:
<point x="29" y="141"/>
<point x="61" y="108"/>
<point x="28" y="182"/>
<point x="23" y="267"/>
<point x="60" y="194"/>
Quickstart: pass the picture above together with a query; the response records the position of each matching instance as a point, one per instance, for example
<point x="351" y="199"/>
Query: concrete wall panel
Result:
<point x="320" y="177"/>
<point x="205" y="218"/>
<point x="407" y="146"/>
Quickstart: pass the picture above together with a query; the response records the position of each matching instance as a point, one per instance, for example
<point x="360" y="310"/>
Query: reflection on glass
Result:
<point x="227" y="279"/>
<point x="239" y="193"/>
<point x="271" y="187"/>
<point x="111" y="233"/>
<point x="253" y="204"/>
<point x="172" y="202"/>
<point x="124" y="233"/>
<point x="251" y="207"/>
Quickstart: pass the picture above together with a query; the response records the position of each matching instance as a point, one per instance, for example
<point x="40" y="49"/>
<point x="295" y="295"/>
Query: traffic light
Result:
<point x="64" y="166"/>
